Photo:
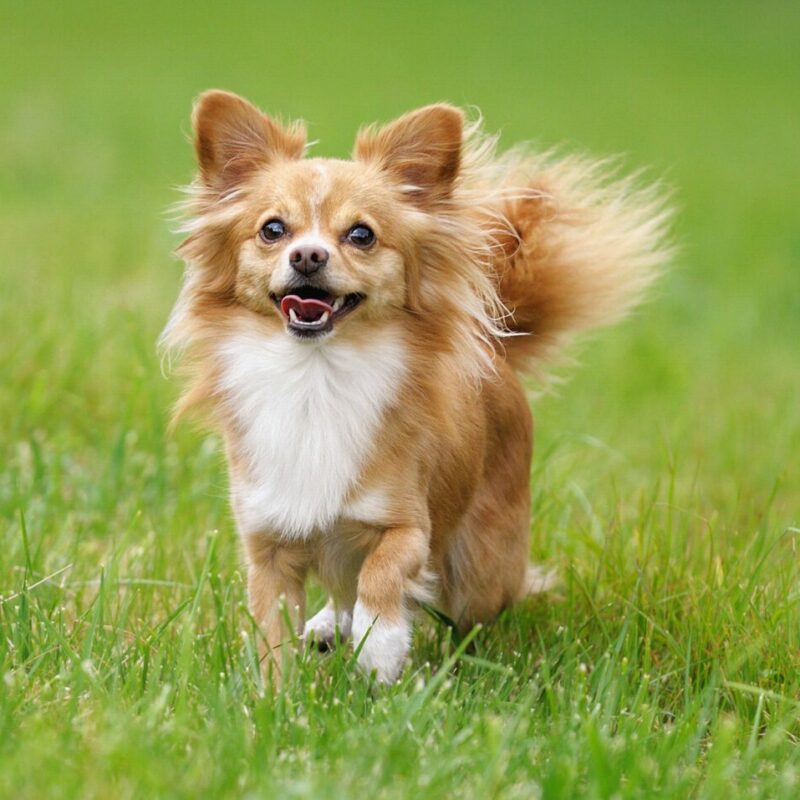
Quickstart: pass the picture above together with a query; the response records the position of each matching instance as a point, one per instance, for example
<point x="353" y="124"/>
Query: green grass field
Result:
<point x="666" y="482"/>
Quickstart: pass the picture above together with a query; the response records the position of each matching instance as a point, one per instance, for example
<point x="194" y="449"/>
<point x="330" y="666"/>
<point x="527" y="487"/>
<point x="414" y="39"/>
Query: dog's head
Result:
<point x="316" y="245"/>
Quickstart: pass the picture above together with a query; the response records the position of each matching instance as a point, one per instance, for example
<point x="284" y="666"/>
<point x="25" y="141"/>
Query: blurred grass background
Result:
<point x="666" y="481"/>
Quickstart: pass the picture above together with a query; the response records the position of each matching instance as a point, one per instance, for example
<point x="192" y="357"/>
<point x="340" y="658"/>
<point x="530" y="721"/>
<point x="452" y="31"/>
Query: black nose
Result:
<point x="308" y="258"/>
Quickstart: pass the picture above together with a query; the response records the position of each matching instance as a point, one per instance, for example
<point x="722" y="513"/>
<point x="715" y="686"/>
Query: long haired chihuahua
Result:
<point x="357" y="329"/>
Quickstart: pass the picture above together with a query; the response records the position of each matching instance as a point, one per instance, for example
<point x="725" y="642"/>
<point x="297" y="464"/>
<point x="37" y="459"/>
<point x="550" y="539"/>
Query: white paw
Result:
<point x="386" y="645"/>
<point x="321" y="628"/>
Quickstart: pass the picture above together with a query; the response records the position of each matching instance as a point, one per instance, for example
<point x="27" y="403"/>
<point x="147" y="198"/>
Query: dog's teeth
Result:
<point x="338" y="303"/>
<point x="292" y="315"/>
<point x="324" y="318"/>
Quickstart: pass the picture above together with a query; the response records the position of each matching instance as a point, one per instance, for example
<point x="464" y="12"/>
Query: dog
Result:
<point x="356" y="330"/>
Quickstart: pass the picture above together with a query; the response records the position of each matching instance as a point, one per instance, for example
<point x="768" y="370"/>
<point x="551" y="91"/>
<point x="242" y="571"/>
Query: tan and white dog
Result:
<point x="356" y="330"/>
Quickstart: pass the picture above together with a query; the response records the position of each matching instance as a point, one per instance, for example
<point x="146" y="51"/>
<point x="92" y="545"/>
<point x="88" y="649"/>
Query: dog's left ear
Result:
<point x="232" y="139"/>
<point x="421" y="150"/>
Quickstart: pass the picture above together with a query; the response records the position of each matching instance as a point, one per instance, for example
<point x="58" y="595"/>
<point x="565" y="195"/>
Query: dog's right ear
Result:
<point x="232" y="139"/>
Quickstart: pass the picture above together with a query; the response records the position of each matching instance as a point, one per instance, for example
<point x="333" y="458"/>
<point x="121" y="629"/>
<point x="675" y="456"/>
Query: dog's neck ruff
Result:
<point x="306" y="415"/>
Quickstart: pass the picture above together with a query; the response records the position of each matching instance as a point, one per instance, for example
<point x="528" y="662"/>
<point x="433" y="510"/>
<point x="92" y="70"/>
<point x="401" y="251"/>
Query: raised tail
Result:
<point x="581" y="249"/>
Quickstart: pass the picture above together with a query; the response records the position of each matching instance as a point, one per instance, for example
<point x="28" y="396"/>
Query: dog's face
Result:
<point x="319" y="245"/>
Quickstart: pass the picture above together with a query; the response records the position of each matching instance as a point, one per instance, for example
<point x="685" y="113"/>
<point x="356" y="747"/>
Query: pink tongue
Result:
<point x="306" y="310"/>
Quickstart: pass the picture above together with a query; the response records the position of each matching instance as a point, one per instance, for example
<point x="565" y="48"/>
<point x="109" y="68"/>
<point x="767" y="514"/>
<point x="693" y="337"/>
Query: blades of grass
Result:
<point x="40" y="582"/>
<point x="754" y="730"/>
<point x="97" y="618"/>
<point x="759" y="692"/>
<point x="419" y="699"/>
<point x="443" y="619"/>
<point x="26" y="548"/>
<point x="188" y="634"/>
<point x="492" y="666"/>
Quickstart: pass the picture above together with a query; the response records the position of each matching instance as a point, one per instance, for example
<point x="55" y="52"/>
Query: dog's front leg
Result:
<point x="276" y="591"/>
<point x="381" y="613"/>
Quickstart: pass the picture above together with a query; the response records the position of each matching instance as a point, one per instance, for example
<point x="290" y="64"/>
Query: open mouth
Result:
<point x="310" y="311"/>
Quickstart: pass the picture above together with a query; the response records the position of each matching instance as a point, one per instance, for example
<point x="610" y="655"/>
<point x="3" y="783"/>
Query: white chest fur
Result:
<point x="308" y="414"/>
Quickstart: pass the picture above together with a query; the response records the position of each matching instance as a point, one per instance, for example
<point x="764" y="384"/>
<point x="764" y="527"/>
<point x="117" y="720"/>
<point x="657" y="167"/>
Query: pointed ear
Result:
<point x="421" y="150"/>
<point x="232" y="138"/>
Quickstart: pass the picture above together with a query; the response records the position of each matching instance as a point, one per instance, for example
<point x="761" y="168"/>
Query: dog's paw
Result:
<point x="321" y="628"/>
<point x="386" y="645"/>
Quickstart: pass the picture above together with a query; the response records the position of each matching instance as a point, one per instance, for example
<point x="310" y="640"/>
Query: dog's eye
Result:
<point x="360" y="236"/>
<point x="273" y="230"/>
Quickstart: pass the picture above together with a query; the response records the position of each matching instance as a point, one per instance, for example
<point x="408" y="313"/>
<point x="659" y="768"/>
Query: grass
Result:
<point x="666" y="484"/>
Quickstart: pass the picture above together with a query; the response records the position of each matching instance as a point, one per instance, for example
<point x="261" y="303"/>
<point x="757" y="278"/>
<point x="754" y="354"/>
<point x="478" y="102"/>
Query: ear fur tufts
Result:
<point x="421" y="150"/>
<point x="233" y="138"/>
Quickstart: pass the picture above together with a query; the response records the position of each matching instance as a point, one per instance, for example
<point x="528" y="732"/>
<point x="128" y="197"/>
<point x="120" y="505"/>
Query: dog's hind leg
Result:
<point x="486" y="565"/>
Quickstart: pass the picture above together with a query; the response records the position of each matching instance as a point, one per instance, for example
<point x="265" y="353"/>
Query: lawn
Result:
<point x="666" y="482"/>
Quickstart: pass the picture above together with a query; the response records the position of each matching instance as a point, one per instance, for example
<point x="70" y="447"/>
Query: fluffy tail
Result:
<point x="581" y="250"/>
